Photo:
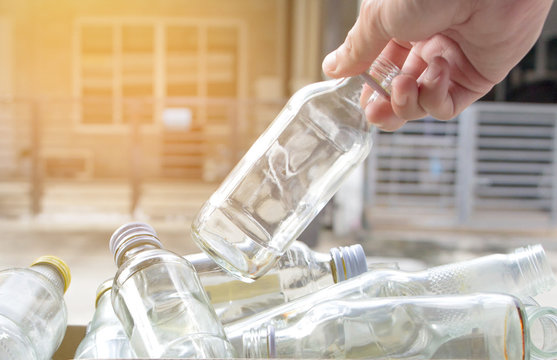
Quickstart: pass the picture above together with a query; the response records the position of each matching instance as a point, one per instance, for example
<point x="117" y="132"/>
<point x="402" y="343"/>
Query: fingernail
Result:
<point x="433" y="72"/>
<point x="330" y="62"/>
<point x="372" y="97"/>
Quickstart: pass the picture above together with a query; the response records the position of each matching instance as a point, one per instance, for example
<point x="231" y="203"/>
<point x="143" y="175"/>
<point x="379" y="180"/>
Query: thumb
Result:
<point x="382" y="20"/>
<point x="361" y="46"/>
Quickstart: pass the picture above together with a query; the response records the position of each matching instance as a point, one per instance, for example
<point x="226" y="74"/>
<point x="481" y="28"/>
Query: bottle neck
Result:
<point x="133" y="251"/>
<point x="52" y="274"/>
<point x="303" y="270"/>
<point x="536" y="273"/>
<point x="525" y="272"/>
<point x="103" y="313"/>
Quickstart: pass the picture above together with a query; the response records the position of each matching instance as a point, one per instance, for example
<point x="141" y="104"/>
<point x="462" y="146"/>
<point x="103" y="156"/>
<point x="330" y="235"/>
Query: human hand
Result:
<point x="451" y="52"/>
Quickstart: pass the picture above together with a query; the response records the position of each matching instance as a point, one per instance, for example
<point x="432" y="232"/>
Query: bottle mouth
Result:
<point x="379" y="78"/>
<point x="535" y="268"/>
<point x="542" y="325"/>
<point x="347" y="262"/>
<point x="130" y="235"/>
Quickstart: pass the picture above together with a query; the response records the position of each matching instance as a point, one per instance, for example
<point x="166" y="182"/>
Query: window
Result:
<point x="97" y="70"/>
<point x="125" y="69"/>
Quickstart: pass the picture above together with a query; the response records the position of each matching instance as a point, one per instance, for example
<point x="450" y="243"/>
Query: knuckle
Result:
<point x="440" y="111"/>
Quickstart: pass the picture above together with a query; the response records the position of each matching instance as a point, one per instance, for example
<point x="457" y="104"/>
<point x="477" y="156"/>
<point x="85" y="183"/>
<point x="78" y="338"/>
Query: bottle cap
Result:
<point x="60" y="266"/>
<point x="104" y="287"/>
<point x="348" y="262"/>
<point x="130" y="235"/>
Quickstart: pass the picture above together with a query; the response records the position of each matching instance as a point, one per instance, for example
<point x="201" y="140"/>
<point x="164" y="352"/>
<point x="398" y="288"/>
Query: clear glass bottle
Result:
<point x="475" y="326"/>
<point x="523" y="273"/>
<point x="33" y="314"/>
<point x="160" y="301"/>
<point x="288" y="174"/>
<point x="105" y="337"/>
<point x="298" y="272"/>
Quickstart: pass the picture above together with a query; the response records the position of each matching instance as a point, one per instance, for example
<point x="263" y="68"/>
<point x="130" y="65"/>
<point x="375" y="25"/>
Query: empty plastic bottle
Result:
<point x="105" y="337"/>
<point x="289" y="174"/>
<point x="160" y="301"/>
<point x="298" y="272"/>
<point x="33" y="315"/>
<point x="524" y="273"/>
<point x="476" y="326"/>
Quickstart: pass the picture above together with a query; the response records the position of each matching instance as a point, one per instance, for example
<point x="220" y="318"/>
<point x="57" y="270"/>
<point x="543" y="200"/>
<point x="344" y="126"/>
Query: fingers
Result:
<point x="413" y="97"/>
<point x="380" y="114"/>
<point x="434" y="96"/>
<point x="405" y="98"/>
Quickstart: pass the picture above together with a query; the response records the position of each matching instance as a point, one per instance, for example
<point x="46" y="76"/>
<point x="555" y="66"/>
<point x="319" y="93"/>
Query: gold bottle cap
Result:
<point x="59" y="265"/>
<point x="104" y="287"/>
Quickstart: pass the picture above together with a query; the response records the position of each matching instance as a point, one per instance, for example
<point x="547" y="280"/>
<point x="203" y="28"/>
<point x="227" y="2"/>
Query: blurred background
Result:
<point x="136" y="110"/>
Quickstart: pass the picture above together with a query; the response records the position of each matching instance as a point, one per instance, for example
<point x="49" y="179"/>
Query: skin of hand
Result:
<point x="451" y="52"/>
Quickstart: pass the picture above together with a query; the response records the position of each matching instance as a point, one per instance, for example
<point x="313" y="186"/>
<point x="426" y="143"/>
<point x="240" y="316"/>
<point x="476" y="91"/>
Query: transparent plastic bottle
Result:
<point x="160" y="301"/>
<point x="289" y="174"/>
<point x="105" y="337"/>
<point x="523" y="273"/>
<point x="33" y="315"/>
<point x="298" y="272"/>
<point x="474" y="326"/>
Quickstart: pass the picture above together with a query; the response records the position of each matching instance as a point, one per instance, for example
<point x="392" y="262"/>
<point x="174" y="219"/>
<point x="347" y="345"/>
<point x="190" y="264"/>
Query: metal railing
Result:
<point x="496" y="158"/>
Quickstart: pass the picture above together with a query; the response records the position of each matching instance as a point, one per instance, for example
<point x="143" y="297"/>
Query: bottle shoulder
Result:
<point x="30" y="280"/>
<point x="346" y="88"/>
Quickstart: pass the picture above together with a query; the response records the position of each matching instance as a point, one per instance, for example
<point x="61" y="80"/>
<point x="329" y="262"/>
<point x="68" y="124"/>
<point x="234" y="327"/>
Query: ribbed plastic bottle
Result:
<point x="522" y="273"/>
<point x="475" y="326"/>
<point x="160" y="301"/>
<point x="105" y="337"/>
<point x="33" y="315"/>
<point x="298" y="272"/>
<point x="289" y="174"/>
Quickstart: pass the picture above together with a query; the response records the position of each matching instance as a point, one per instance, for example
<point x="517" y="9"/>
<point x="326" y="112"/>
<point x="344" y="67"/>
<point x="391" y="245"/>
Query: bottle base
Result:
<point x="237" y="261"/>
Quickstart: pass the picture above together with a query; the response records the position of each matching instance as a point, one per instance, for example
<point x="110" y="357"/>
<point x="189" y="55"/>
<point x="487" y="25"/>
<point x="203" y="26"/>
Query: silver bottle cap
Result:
<point x="348" y="262"/>
<point x="130" y="235"/>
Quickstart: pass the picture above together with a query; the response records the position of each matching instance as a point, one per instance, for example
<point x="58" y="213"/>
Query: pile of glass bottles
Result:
<point x="160" y="305"/>
<point x="316" y="305"/>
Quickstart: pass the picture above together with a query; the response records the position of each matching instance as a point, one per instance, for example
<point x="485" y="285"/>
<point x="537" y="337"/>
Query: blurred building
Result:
<point x="107" y="107"/>
<point x="187" y="84"/>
